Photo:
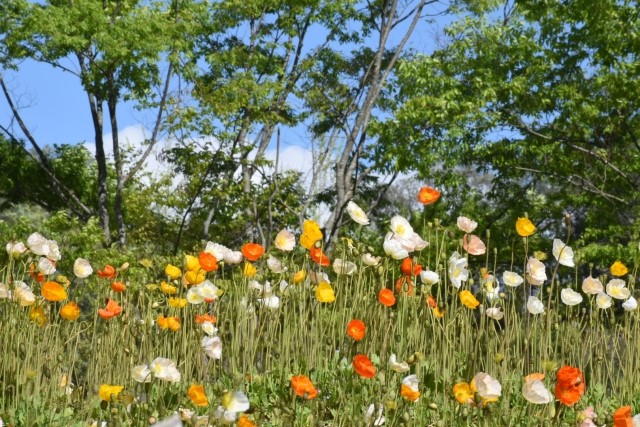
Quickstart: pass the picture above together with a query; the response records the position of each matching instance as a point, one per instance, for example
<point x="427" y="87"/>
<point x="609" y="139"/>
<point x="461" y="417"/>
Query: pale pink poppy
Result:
<point x="473" y="245"/>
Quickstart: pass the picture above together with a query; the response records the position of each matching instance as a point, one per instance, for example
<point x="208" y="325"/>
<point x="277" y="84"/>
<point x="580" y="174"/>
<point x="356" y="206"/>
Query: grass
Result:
<point x="51" y="372"/>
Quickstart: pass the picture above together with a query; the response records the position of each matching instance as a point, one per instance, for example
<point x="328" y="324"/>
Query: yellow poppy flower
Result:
<point x="172" y="272"/>
<point x="524" y="227"/>
<point x="191" y="263"/>
<point x="195" y="277"/>
<point x="619" y="269"/>
<point x="324" y="293"/>
<point x="177" y="302"/>
<point x="168" y="289"/>
<point x="107" y="391"/>
<point x="310" y="234"/>
<point x="468" y="300"/>
<point x="249" y="270"/>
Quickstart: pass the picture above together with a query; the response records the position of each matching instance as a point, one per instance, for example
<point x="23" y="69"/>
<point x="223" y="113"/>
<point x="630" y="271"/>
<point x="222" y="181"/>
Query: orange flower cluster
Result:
<point x="111" y="310"/>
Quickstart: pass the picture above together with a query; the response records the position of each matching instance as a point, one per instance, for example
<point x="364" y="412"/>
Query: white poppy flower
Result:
<point x="285" y="240"/>
<point x="207" y="290"/>
<point x="534" y="305"/>
<point x="193" y="296"/>
<point x="283" y="285"/>
<point x="630" y="304"/>
<point x="235" y="401"/>
<point x="38" y="244"/>
<point x="536" y="274"/>
<point x="512" y="279"/>
<point x="417" y="242"/>
<point x="357" y="214"/>
<point x="401" y="227"/>
<point x="412" y="383"/>
<point x="617" y="288"/>
<point x="562" y="253"/>
<point x="495" y="313"/>
<point x="212" y="347"/>
<point x="165" y="369"/>
<point x="429" y="277"/>
<point x="82" y="268"/>
<point x="636" y="420"/>
<point x="379" y="420"/>
<point x="46" y="266"/>
<point x="397" y="366"/>
<point x="603" y="300"/>
<point x="216" y="249"/>
<point x="15" y="249"/>
<point x="370" y="260"/>
<point x="487" y="387"/>
<point x="4" y="291"/>
<point x="270" y="301"/>
<point x="592" y="286"/>
<point x="141" y="374"/>
<point x="233" y="257"/>
<point x="209" y="329"/>
<point x="275" y="264"/>
<point x="535" y="392"/>
<point x="394" y="249"/>
<point x="570" y="297"/>
<point x="467" y="225"/>
<point x="318" y="277"/>
<point x="224" y="416"/>
<point x="341" y="266"/>
<point x="23" y="294"/>
<point x="458" y="272"/>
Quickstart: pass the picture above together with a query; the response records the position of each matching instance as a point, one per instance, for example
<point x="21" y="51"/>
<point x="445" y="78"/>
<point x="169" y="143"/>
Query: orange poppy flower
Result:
<point x="569" y="385"/>
<point x="112" y="309"/>
<point x="428" y="195"/>
<point x="431" y="302"/>
<point x="118" y="286"/>
<point x="622" y="417"/>
<point x="319" y="257"/>
<point x="244" y="421"/>
<point x="197" y="396"/>
<point x="386" y="297"/>
<point x="400" y="285"/>
<point x="70" y="311"/>
<point x="201" y="318"/>
<point x="252" y="251"/>
<point x="208" y="262"/>
<point x="108" y="272"/>
<point x="52" y="291"/>
<point x="363" y="366"/>
<point x="303" y="387"/>
<point x="35" y="275"/>
<point x="356" y="329"/>
<point x="409" y="268"/>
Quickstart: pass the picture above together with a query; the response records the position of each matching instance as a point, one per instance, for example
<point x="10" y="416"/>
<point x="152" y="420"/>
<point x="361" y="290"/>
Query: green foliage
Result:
<point x="538" y="98"/>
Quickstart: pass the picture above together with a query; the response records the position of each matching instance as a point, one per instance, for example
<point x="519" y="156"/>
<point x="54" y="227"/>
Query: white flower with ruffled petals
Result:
<point x="15" y="249"/>
<point x="369" y="419"/>
<point x="467" y="225"/>
<point x="534" y="305"/>
<point x="275" y="265"/>
<point x="357" y="214"/>
<point x="165" y="369"/>
<point x="141" y="374"/>
<point x="562" y="253"/>
<point x="512" y="279"/>
<point x="341" y="266"/>
<point x="401" y="227"/>
<point x="592" y="286"/>
<point x="394" y="249"/>
<point x="285" y="240"/>
<point x="617" y="288"/>
<point x="46" y="266"/>
<point x="458" y="272"/>
<point x="536" y="274"/>
<point x="397" y="366"/>
<point x="495" y="313"/>
<point x="429" y="277"/>
<point x="212" y="347"/>
<point x="81" y="268"/>
<point x="535" y="392"/>
<point x="630" y="304"/>
<point x="370" y="260"/>
<point x="570" y="297"/>
<point x="487" y="387"/>
<point x="603" y="300"/>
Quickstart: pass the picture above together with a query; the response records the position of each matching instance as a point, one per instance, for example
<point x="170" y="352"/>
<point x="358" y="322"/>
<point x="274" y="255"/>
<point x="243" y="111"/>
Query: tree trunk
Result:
<point x="117" y="158"/>
<point x="101" y="160"/>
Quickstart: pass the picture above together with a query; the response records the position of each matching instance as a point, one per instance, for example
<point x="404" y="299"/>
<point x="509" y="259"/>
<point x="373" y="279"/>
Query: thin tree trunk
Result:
<point x="117" y="158"/>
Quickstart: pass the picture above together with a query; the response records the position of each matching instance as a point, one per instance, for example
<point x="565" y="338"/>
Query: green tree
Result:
<point x="116" y="48"/>
<point x="541" y="99"/>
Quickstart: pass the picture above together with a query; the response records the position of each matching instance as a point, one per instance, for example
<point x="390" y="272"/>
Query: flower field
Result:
<point x="430" y="329"/>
